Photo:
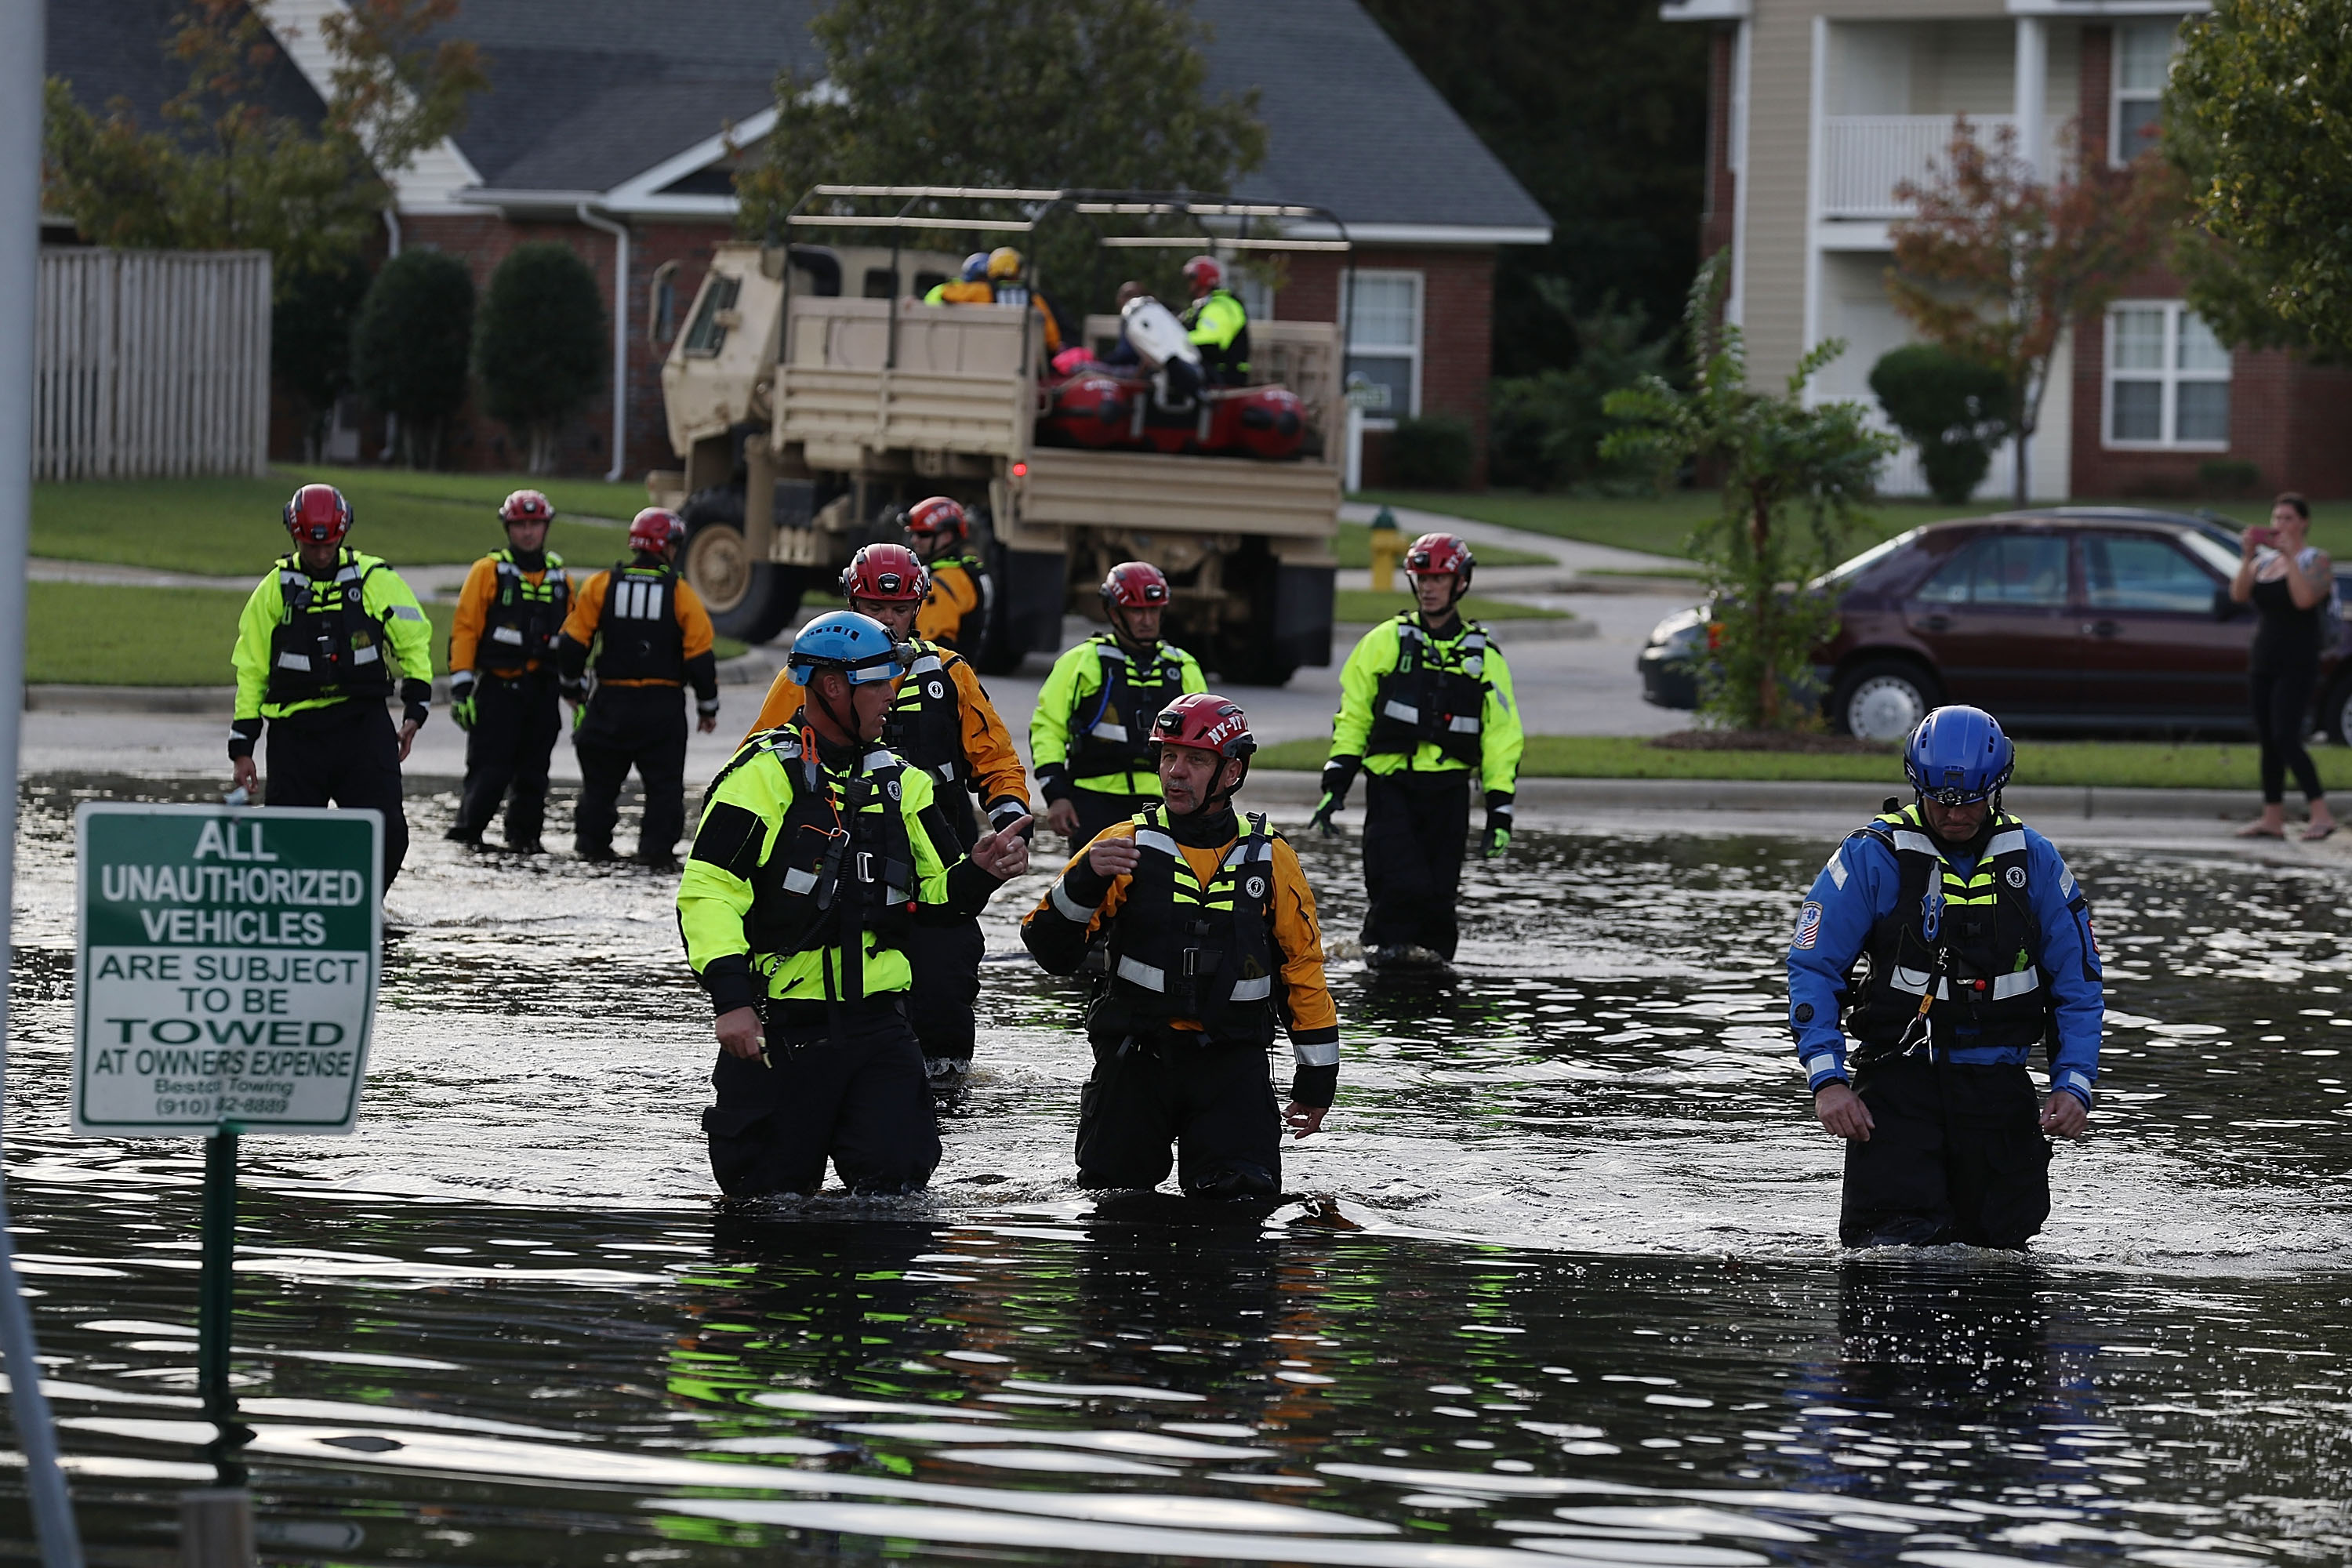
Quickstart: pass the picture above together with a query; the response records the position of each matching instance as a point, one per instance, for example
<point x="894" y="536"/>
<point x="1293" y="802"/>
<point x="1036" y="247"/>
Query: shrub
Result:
<point x="311" y="342"/>
<point x="2230" y="478"/>
<point x="409" y="349"/>
<point x="1545" y="430"/>
<point x="1431" y="453"/>
<point x="539" y="344"/>
<point x="1954" y="410"/>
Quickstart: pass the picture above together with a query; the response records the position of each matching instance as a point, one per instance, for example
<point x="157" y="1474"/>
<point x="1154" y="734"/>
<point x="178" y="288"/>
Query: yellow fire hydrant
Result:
<point x="1388" y="549"/>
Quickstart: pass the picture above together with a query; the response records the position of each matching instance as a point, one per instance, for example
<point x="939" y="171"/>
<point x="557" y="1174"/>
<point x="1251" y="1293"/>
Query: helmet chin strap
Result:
<point x="847" y="727"/>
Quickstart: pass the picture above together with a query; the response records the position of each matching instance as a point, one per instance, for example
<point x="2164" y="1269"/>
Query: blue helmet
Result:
<point x="1957" y="754"/>
<point x="975" y="266"/>
<point x="859" y="646"/>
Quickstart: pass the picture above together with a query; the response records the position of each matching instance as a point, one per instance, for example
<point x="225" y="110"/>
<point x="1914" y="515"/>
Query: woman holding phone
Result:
<point x="2289" y="581"/>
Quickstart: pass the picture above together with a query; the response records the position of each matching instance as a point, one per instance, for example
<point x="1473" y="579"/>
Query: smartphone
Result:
<point x="2265" y="535"/>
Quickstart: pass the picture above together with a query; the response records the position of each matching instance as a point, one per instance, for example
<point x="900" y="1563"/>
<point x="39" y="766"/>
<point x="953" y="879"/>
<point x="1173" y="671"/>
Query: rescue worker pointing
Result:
<point x="1426" y="706"/>
<point x="502" y="675"/>
<point x="651" y="636"/>
<point x="941" y="722"/>
<point x="815" y="851"/>
<point x="323" y="641"/>
<point x="1941" y="944"/>
<point x="1209" y="935"/>
<point x="1087" y="739"/>
<point x="955" y="609"/>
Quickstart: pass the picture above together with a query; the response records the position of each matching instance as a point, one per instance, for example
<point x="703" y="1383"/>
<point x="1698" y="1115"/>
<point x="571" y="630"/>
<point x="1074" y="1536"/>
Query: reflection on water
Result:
<point x="1573" y="1300"/>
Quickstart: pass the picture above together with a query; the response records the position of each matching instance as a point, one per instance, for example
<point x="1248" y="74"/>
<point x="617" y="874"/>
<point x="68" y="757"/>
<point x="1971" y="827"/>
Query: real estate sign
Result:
<point x="227" y="969"/>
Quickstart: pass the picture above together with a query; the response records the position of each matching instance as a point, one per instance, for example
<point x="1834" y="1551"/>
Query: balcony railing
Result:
<point x="1866" y="156"/>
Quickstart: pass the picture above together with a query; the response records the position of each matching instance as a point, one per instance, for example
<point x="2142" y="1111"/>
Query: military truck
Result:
<point x="806" y="415"/>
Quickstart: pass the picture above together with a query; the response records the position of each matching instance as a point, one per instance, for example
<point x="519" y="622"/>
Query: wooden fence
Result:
<point x="152" y="364"/>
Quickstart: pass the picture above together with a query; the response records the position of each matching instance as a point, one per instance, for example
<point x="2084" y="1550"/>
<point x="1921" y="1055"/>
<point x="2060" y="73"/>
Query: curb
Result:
<point x="754" y="668"/>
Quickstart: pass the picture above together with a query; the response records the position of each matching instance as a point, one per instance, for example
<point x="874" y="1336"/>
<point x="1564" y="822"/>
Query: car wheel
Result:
<point x="1883" y="699"/>
<point x="2336" y="712"/>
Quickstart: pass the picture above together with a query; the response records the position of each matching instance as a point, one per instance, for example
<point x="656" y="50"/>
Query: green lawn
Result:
<point x="1662" y="524"/>
<point x="88" y="633"/>
<point x="230" y="527"/>
<point x="2107" y="764"/>
<point x="1354" y="548"/>
<point x="1362" y="607"/>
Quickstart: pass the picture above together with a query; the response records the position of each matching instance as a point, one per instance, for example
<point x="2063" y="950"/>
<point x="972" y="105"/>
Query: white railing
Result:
<point x="152" y="364"/>
<point x="1866" y="156"/>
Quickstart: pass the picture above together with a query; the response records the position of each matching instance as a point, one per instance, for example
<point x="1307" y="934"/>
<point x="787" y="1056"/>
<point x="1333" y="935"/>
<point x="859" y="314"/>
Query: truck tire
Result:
<point x="1250" y="656"/>
<point x="749" y="600"/>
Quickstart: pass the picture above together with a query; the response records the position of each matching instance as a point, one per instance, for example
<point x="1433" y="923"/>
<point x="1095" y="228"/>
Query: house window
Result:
<point x="2143" y="62"/>
<point x="2168" y="378"/>
<point x="661" y="304"/>
<point x="1384" y="343"/>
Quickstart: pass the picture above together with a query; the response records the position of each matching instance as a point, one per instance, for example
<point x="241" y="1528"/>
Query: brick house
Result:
<point x="1820" y="108"/>
<point x="613" y="128"/>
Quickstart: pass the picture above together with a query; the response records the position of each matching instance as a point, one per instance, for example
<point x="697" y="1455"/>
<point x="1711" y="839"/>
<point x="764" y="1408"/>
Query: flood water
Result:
<point x="1561" y="1285"/>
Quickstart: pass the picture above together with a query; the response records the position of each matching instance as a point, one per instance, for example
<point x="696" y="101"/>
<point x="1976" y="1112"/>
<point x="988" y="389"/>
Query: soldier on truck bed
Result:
<point x="1088" y="740"/>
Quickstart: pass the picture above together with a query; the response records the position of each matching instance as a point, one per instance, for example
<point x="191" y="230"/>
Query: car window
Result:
<point x="2138" y="572"/>
<point x="2018" y="569"/>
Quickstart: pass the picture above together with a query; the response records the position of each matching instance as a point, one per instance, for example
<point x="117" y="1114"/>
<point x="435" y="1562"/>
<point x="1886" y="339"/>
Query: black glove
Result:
<point x="1339" y="777"/>
<point x="1498" y="836"/>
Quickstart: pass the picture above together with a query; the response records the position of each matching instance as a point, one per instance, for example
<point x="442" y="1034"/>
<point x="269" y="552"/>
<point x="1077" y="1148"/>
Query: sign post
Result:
<point x="225" y="984"/>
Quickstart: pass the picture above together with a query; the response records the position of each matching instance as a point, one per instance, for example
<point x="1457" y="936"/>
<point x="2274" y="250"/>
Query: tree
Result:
<point x="310" y="343"/>
<point x="1954" y="411"/>
<point x="539" y="344"/>
<point x="1038" y="94"/>
<point x="230" y="168"/>
<point x="1618" y="163"/>
<point x="1794" y="474"/>
<point x="2255" y="123"/>
<point x="409" y="348"/>
<point x="1545" y="430"/>
<point x="1994" y="263"/>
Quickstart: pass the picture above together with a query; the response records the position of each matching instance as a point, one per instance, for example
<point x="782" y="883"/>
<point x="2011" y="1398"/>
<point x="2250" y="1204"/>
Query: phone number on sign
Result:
<point x="226" y="1105"/>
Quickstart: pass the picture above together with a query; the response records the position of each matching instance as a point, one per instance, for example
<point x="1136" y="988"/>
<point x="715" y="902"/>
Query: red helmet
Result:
<point x="526" y="506"/>
<point x="655" y="527"/>
<point x="885" y="572"/>
<point x="1433" y="554"/>
<point x="937" y="515"/>
<point x="1135" y="585"/>
<point x="1203" y="273"/>
<point x="1207" y="721"/>
<point x="320" y="515"/>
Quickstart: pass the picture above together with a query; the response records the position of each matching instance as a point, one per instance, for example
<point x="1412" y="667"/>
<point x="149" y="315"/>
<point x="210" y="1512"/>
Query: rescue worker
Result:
<point x="1208" y="932"/>
<point x="1087" y="743"/>
<point x="970" y="288"/>
<point x="1979" y="948"/>
<point x="1425" y="706"/>
<point x="651" y="637"/>
<point x="1217" y="323"/>
<point x="940" y="721"/>
<point x="502" y="675"/>
<point x="317" y="645"/>
<point x="1005" y="280"/>
<point x="955" y="611"/>
<point x="816" y="850"/>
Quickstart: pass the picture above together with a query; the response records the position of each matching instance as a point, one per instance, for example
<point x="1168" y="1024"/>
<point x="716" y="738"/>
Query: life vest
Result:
<point x="1179" y="950"/>
<point x="835" y="876"/>
<point x="925" y="724"/>
<point x="525" y="618"/>
<point x="984" y="587"/>
<point x="327" y="644"/>
<point x="1436" y="694"/>
<point x="642" y="639"/>
<point x="1972" y="936"/>
<point x="1228" y="363"/>
<point x="1111" y="731"/>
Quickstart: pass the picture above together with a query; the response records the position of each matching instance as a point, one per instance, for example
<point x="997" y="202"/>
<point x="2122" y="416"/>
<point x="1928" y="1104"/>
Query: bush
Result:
<point x="1545" y="430"/>
<point x="2229" y="478"/>
<point x="1432" y="452"/>
<point x="539" y="344"/>
<point x="1954" y="410"/>
<point x="311" y="342"/>
<point x="409" y="348"/>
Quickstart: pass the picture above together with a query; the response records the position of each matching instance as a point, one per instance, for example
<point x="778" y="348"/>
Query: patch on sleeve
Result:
<point x="730" y="839"/>
<point x="1836" y="868"/>
<point x="1809" y="926"/>
<point x="2065" y="881"/>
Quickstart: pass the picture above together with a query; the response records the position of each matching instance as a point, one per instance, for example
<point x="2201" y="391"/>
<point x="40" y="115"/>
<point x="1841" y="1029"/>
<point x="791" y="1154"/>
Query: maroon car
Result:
<point x="2074" y="618"/>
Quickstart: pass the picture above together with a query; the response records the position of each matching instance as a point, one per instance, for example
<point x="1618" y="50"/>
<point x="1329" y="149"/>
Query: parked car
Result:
<point x="2073" y="618"/>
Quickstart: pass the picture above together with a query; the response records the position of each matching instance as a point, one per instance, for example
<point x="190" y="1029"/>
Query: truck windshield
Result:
<point x="707" y="332"/>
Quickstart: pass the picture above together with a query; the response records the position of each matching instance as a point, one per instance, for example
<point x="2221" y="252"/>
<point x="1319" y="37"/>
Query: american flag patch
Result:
<point x="1809" y="926"/>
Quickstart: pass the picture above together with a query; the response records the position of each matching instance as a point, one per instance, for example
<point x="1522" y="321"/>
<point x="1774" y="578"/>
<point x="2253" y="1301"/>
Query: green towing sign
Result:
<point x="226" y="973"/>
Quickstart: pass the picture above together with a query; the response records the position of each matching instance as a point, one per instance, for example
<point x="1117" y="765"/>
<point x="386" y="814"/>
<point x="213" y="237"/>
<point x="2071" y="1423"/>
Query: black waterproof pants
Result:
<point x="2281" y="697"/>
<point x="346" y="755"/>
<point x="626" y="726"/>
<point x="1215" y="1104"/>
<point x="516" y="723"/>
<point x="852" y="1089"/>
<point x="1415" y="826"/>
<point x="1098" y="809"/>
<point x="946" y="961"/>
<point x="1956" y="1153"/>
